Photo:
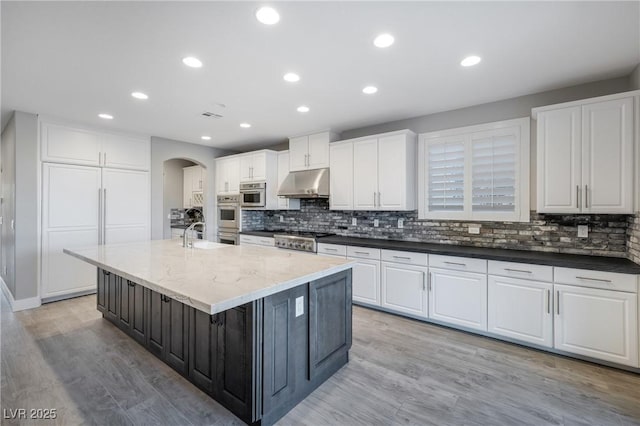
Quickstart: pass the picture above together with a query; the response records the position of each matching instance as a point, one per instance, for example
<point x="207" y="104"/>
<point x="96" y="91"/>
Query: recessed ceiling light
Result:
<point x="106" y="116"/>
<point x="370" y="90"/>
<point x="245" y="125"/>
<point x="303" y="108"/>
<point x="205" y="138"/>
<point x="470" y="61"/>
<point x="383" y="40"/>
<point x="139" y="95"/>
<point x="291" y="77"/>
<point x="192" y="62"/>
<point x="267" y="15"/>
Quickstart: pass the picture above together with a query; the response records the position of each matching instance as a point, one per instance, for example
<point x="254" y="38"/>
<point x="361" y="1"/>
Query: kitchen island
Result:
<point x="257" y="329"/>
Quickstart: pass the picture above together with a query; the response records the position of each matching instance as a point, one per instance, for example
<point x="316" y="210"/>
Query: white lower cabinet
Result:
<point x="458" y="298"/>
<point x="521" y="310"/>
<point x="598" y="323"/>
<point x="404" y="288"/>
<point x="256" y="240"/>
<point x="366" y="281"/>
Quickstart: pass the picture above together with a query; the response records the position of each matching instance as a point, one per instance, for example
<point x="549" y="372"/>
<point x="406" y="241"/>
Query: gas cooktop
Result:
<point x="295" y="240"/>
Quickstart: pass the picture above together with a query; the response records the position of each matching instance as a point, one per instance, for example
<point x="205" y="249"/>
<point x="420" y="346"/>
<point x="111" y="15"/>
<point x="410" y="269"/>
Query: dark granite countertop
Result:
<point x="596" y="263"/>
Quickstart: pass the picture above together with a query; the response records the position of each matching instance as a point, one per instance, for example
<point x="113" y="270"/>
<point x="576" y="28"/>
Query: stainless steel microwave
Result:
<point x="253" y="194"/>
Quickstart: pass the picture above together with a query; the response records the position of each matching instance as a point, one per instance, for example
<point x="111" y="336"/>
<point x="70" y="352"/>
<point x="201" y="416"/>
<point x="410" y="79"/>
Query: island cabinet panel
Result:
<point x="107" y="294"/>
<point x="101" y="293"/>
<point x="137" y="313"/>
<point x="155" y="306"/>
<point x="329" y="328"/>
<point x="175" y="323"/>
<point x="125" y="294"/>
<point x="203" y="338"/>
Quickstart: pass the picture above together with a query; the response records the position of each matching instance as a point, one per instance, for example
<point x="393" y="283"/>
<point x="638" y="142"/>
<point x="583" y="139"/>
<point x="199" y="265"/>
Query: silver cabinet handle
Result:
<point x="105" y="158"/>
<point x="558" y="302"/>
<point x="104" y="215"/>
<point x="374" y="200"/>
<point x="429" y="279"/>
<point x="330" y="249"/>
<point x="578" y="196"/>
<point x="100" y="159"/>
<point x="586" y="196"/>
<point x="594" y="279"/>
<point x="424" y="287"/>
<point x="548" y="301"/>
<point x="518" y="270"/>
<point x="402" y="257"/>
<point x="99" y="216"/>
<point x="455" y="263"/>
<point x="362" y="252"/>
<point x="379" y="200"/>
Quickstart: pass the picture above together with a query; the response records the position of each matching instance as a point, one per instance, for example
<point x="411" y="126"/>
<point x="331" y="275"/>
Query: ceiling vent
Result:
<point x="210" y="114"/>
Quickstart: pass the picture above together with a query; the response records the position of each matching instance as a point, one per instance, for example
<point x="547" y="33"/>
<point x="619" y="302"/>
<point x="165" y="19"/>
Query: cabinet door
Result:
<point x="607" y="156"/>
<point x="318" y="151"/>
<point x="176" y="334"/>
<point x="246" y="165"/>
<point x="283" y="171"/>
<point x="202" y="349"/>
<point x="559" y="166"/>
<point x="125" y="298"/>
<point x="187" y="195"/>
<point x="70" y="209"/>
<point x="366" y="281"/>
<point x="221" y="178"/>
<point x="63" y="144"/>
<point x="392" y="173"/>
<point x="365" y="174"/>
<point x="155" y="334"/>
<point x="233" y="175"/>
<point x="298" y="151"/>
<point x="404" y="288"/>
<point x="101" y="294"/>
<point x="196" y="179"/>
<point x="126" y="201"/>
<point x="341" y="176"/>
<point x="458" y="298"/>
<point x="138" y="313"/>
<point x="259" y="166"/>
<point x="112" y="284"/>
<point x="234" y="360"/>
<point x="521" y="310"/>
<point x="125" y="152"/>
<point x="601" y="324"/>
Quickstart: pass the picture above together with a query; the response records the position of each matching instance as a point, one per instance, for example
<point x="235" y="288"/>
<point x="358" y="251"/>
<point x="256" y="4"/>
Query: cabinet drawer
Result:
<point x="332" y="249"/>
<point x="363" y="252"/>
<point x="458" y="263"/>
<point x="521" y="270"/>
<point x="259" y="241"/>
<point x="597" y="279"/>
<point x="408" y="257"/>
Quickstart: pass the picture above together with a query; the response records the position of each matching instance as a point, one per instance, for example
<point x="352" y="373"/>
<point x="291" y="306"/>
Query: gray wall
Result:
<point x="173" y="190"/>
<point x="20" y="194"/>
<point x="166" y="149"/>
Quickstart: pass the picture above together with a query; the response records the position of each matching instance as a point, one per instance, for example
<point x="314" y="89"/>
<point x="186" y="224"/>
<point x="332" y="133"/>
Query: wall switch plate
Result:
<point x="400" y="223"/>
<point x="299" y="306"/>
<point x="474" y="229"/>
<point x="583" y="231"/>
<point x="376" y="223"/>
<point x="354" y="221"/>
<point x="281" y="218"/>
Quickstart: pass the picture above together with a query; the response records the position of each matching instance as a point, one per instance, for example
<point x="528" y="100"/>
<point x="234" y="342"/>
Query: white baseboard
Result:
<point x="21" y="304"/>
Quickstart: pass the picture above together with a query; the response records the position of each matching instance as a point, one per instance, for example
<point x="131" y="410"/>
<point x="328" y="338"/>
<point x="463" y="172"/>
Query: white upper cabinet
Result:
<point x="253" y="167"/>
<point x="285" y="203"/>
<point x="377" y="173"/>
<point x="310" y="152"/>
<point x="341" y="176"/>
<point x="70" y="145"/>
<point x="193" y="184"/>
<point x="585" y="156"/>
<point x="227" y="175"/>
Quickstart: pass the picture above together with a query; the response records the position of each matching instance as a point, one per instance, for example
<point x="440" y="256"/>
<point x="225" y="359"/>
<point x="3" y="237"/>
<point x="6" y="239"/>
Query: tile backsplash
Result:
<point x="181" y="217"/>
<point x="609" y="235"/>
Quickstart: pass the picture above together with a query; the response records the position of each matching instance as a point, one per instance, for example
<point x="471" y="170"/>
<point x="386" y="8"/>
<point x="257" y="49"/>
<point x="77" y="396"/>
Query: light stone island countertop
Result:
<point x="211" y="280"/>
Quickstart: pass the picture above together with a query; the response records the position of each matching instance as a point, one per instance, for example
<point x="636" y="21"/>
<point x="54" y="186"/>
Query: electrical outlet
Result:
<point x="376" y="223"/>
<point x="168" y="215"/>
<point x="281" y="218"/>
<point x="474" y="229"/>
<point x="400" y="223"/>
<point x="354" y="221"/>
<point x="583" y="231"/>
<point x="299" y="306"/>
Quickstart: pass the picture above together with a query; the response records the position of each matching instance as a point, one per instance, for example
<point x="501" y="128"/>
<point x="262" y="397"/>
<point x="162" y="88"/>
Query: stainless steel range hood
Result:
<point x="306" y="184"/>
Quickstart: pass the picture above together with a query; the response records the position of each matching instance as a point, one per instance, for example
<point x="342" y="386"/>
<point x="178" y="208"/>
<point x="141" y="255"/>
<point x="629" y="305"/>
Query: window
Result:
<point x="476" y="173"/>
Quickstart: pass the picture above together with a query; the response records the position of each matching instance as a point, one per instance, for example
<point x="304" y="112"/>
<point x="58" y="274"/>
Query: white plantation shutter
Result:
<point x="446" y="176"/>
<point x="494" y="162"/>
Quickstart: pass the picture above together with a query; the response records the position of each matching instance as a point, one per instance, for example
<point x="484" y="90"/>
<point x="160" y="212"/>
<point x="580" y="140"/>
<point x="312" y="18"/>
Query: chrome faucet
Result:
<point x="185" y="235"/>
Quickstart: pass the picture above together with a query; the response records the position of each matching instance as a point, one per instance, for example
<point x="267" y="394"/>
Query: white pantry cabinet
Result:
<point x="585" y="156"/>
<point x="404" y="288"/>
<point x="310" y="151"/>
<point x="228" y="175"/>
<point x="458" y="298"/>
<point x="598" y="323"/>
<point x="285" y="203"/>
<point x="62" y="143"/>
<point x="341" y="176"/>
<point x="521" y="309"/>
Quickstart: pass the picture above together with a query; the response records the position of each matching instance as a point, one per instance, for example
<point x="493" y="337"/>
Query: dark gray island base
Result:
<point x="260" y="359"/>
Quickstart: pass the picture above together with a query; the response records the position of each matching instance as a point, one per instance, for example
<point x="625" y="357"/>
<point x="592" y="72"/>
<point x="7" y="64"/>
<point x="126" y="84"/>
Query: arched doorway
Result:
<point x="184" y="195"/>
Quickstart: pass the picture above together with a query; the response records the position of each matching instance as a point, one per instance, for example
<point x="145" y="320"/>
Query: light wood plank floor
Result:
<point x="65" y="356"/>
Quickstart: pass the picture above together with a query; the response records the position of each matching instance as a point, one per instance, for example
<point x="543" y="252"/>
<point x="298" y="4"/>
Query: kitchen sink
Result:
<point x="207" y="245"/>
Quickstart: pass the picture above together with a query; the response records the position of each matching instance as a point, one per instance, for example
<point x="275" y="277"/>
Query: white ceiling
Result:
<point x="74" y="60"/>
